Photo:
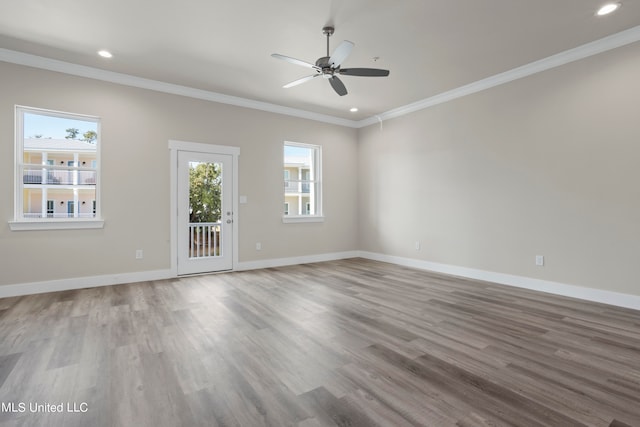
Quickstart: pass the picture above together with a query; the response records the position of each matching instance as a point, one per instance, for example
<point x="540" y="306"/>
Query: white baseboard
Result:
<point x="579" y="292"/>
<point x="82" y="282"/>
<point x="306" y="259"/>
<point x="20" y="289"/>
<point x="589" y="294"/>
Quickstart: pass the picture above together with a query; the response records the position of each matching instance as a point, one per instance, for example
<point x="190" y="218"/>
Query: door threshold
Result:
<point x="205" y="273"/>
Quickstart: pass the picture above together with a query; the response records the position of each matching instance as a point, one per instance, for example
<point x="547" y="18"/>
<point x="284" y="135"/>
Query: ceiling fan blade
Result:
<point x="365" y="72"/>
<point x="340" y="54"/>
<point x="295" y="61"/>
<point x="338" y="86"/>
<point x="300" y="81"/>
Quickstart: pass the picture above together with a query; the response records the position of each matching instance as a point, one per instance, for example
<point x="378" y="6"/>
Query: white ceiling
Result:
<point x="225" y="46"/>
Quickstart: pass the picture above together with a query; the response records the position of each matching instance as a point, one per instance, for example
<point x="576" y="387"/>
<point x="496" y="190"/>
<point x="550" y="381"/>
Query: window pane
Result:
<point x="302" y="180"/>
<point x="205" y="214"/>
<point x="297" y="172"/>
<point x="45" y="202"/>
<point x="46" y="126"/>
<point x="302" y="203"/>
<point x="58" y="162"/>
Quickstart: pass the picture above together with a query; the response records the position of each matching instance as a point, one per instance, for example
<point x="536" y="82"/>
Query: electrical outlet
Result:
<point x="258" y="246"/>
<point x="539" y="260"/>
<point x="139" y="254"/>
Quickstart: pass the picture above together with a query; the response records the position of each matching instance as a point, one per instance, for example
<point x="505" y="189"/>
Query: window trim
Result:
<point x="19" y="222"/>
<point x="316" y="180"/>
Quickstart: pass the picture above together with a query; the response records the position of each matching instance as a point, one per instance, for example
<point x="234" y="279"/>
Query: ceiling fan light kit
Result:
<point x="329" y="66"/>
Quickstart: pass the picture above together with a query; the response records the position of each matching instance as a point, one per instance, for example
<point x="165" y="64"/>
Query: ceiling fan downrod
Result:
<point x="328" y="31"/>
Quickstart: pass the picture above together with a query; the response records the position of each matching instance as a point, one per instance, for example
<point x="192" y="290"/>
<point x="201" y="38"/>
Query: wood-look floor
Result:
<point x="347" y="343"/>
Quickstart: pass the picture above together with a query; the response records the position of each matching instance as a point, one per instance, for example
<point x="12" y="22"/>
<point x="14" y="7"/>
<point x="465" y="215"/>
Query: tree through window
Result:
<point x="205" y="192"/>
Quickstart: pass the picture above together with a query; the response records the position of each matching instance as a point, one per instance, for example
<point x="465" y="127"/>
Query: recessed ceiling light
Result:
<point x="353" y="110"/>
<point x="105" y="53"/>
<point x="608" y="8"/>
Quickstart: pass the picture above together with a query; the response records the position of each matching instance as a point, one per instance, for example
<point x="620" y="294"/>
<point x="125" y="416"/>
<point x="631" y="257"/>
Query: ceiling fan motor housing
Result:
<point x="326" y="69"/>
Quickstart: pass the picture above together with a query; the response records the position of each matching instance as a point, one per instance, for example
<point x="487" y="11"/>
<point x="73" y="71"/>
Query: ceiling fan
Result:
<point x="329" y="66"/>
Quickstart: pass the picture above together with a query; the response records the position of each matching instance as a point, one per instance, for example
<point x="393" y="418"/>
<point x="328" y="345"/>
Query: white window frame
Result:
<point x="19" y="222"/>
<point x="315" y="178"/>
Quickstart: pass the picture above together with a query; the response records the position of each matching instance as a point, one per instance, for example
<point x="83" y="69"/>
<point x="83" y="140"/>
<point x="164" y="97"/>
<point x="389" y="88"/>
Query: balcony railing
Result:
<point x="296" y="187"/>
<point x="59" y="215"/>
<point x="59" y="177"/>
<point x="204" y="239"/>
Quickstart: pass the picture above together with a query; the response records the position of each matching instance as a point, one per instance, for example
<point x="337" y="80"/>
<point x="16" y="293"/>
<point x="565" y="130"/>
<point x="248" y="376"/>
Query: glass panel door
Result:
<point x="204" y="212"/>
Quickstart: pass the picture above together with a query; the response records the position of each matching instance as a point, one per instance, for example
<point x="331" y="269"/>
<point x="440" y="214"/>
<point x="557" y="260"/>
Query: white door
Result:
<point x="205" y="215"/>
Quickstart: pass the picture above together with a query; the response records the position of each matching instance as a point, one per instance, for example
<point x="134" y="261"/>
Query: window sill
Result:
<point x="293" y="219"/>
<point x="24" y="225"/>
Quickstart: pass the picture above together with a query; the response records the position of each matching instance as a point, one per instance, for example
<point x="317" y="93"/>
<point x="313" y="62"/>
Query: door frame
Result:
<point x="174" y="147"/>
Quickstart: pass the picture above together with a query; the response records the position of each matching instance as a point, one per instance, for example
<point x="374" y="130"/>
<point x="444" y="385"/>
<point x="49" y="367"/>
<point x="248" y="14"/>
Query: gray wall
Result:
<point x="547" y="165"/>
<point x="136" y="127"/>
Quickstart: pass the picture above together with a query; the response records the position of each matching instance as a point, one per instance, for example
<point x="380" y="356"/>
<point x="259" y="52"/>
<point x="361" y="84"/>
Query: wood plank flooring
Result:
<point x="344" y="343"/>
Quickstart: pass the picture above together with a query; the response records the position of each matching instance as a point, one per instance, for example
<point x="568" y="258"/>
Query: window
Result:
<point x="56" y="163"/>
<point x="302" y="182"/>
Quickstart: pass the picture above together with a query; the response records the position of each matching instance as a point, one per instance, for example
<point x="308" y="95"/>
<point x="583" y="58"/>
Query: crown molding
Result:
<point x="613" y="41"/>
<point x="49" y="64"/>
